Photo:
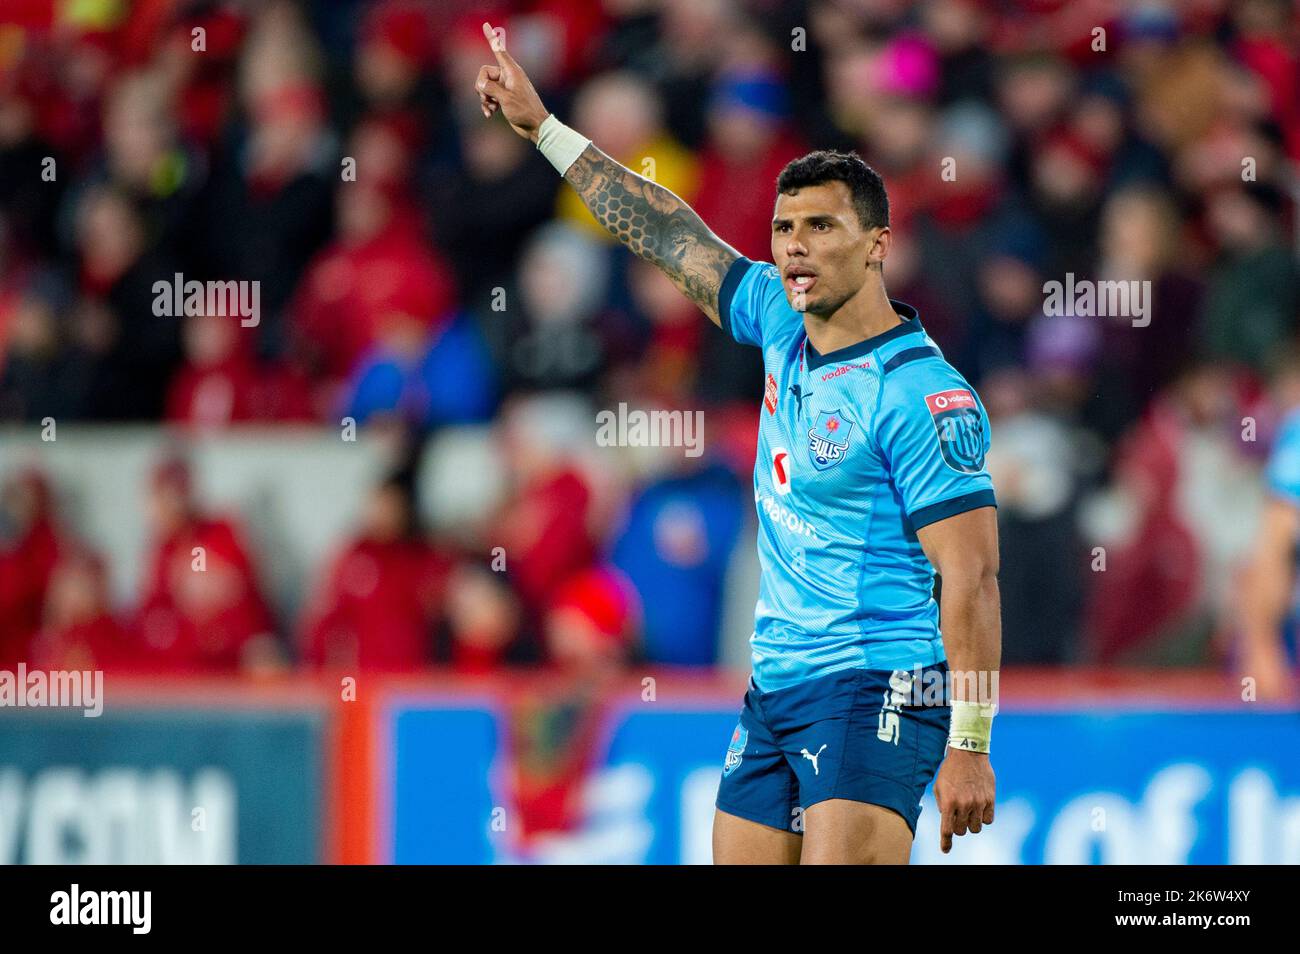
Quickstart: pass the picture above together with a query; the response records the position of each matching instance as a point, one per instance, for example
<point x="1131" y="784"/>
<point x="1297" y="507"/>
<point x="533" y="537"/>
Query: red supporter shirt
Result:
<point x="193" y="620"/>
<point x="378" y="607"/>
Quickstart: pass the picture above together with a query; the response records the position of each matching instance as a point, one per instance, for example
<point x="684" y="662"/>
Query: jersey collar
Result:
<point x="911" y="325"/>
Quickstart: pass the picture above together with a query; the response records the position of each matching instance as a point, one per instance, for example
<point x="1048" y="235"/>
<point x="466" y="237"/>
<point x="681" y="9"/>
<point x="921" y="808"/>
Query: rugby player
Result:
<point x="870" y="477"/>
<point x="1270" y="587"/>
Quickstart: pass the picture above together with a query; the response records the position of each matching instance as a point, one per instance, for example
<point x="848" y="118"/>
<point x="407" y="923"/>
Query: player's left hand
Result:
<point x="964" y="790"/>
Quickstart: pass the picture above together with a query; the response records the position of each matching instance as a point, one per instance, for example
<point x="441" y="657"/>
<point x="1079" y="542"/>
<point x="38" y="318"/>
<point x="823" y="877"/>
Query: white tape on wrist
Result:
<point x="972" y="725"/>
<point x="560" y="144"/>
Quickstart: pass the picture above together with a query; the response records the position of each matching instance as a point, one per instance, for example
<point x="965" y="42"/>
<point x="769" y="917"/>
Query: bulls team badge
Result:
<point x="960" y="428"/>
<point x="736" y="750"/>
<point x="828" y="440"/>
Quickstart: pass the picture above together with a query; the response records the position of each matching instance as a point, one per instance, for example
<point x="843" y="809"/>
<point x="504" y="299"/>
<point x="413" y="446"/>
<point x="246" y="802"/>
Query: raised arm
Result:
<point x="647" y="218"/>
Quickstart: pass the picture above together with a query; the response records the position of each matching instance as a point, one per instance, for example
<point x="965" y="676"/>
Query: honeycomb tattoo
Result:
<point x="656" y="225"/>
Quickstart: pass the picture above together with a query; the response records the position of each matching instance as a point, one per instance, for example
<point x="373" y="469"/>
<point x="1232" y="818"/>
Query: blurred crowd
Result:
<point x="422" y="268"/>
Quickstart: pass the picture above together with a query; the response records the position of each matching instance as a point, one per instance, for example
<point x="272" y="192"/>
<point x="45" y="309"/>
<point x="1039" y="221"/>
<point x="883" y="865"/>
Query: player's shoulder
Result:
<point x="766" y="272"/>
<point x="765" y="281"/>
<point x="756" y="290"/>
<point x="916" y="376"/>
<point x="749" y="278"/>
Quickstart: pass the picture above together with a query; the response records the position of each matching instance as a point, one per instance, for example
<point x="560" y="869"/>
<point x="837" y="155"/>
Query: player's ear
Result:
<point x="878" y="242"/>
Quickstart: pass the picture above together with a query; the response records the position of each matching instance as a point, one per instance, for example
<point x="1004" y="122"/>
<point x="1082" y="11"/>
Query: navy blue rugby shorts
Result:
<point x="851" y="734"/>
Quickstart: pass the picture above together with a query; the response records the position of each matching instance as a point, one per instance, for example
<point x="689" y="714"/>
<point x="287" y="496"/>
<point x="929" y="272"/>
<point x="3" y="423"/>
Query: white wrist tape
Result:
<point x="560" y="144"/>
<point x="972" y="725"/>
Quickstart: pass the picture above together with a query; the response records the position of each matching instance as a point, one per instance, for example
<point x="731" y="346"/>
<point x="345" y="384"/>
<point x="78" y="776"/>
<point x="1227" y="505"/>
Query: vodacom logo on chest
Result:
<point x="781" y="464"/>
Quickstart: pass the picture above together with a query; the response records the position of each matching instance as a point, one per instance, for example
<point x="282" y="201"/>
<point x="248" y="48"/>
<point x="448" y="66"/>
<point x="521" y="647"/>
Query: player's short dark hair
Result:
<point x="828" y="165"/>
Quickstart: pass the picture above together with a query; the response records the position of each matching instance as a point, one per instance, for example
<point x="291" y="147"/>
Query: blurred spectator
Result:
<point x="145" y="159"/>
<point x="543" y="526"/>
<point x="28" y="213"/>
<point x="898" y="137"/>
<point x="266" y="211"/>
<point x="1061" y="357"/>
<point x="30" y="547"/>
<point x="377" y="605"/>
<point x="1067" y="174"/>
<point x="41" y="376"/>
<point x="748" y="144"/>
<point x="675" y="547"/>
<point x="622" y="113"/>
<point x="426" y="380"/>
<point x="392" y="67"/>
<point x="203" y="86"/>
<point x="1033" y="90"/>
<point x="1035" y="469"/>
<point x="959" y="217"/>
<point x="70" y="93"/>
<point x="1141" y="355"/>
<point x="79" y="629"/>
<point x="552" y="330"/>
<point x="1009" y="280"/>
<point x="1266" y="45"/>
<point x="201" y="609"/>
<point x="130" y="351"/>
<point x="676" y="45"/>
<point x="485" y="208"/>
<point x="960" y="30"/>
<point x="378" y="272"/>
<point x="483" y="621"/>
<point x="221" y="382"/>
<point x="1253" y="300"/>
<point x="668" y="366"/>
<point x="1100" y="120"/>
<point x="590" y="623"/>
<point x="1178" y="522"/>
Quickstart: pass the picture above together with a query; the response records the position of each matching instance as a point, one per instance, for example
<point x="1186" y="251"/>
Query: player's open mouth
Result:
<point x="800" y="282"/>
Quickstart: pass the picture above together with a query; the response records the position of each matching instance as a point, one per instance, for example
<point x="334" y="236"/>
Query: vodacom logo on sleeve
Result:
<point x="781" y="464"/>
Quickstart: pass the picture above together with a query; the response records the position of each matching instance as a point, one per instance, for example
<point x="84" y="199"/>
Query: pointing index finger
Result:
<point x="497" y="42"/>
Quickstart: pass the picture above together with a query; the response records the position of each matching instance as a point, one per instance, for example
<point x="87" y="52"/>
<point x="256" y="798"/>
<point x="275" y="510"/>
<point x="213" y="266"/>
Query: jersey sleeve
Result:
<point x="933" y="433"/>
<point x="1283" y="471"/>
<point x="751" y="298"/>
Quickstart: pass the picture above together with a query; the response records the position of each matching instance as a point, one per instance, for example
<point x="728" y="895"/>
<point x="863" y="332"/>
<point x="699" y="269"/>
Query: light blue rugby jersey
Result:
<point x="857" y="449"/>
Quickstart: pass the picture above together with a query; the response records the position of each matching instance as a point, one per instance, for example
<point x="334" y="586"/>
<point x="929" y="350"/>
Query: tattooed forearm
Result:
<point x="656" y="225"/>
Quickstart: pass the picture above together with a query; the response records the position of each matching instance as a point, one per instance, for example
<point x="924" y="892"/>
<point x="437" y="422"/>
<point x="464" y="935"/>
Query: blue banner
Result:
<point x="1195" y="787"/>
<point x="183" y="786"/>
